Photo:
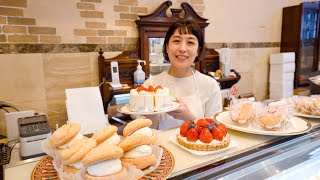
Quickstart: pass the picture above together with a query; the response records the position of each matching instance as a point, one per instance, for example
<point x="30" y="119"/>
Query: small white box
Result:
<point x="280" y="77"/>
<point x="12" y="123"/>
<point x="282" y="58"/>
<point x="278" y="96"/>
<point x="280" y="90"/>
<point x="283" y="68"/>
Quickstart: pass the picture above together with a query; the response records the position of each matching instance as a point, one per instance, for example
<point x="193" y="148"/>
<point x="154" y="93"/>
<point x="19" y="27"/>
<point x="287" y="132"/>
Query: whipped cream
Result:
<point x="104" y="168"/>
<point x="114" y="139"/>
<point x="77" y="165"/>
<point x="76" y="137"/>
<point x="145" y="93"/>
<point x="138" y="152"/>
<point x="145" y="130"/>
<point x="213" y="142"/>
<point x="164" y="91"/>
<point x="134" y="92"/>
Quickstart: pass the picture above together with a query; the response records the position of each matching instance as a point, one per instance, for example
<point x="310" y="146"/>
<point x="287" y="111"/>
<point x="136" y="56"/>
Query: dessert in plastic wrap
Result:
<point x="307" y="104"/>
<point x="242" y="111"/>
<point x="257" y="116"/>
<point x="274" y="118"/>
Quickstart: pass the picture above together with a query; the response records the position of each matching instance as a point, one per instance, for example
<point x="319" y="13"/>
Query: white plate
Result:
<point x="201" y="153"/>
<point x="302" y="126"/>
<point x="306" y="115"/>
<point x="125" y="110"/>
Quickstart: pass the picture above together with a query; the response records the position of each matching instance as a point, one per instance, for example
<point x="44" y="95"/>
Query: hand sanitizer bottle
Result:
<point x="225" y="58"/>
<point x="139" y="76"/>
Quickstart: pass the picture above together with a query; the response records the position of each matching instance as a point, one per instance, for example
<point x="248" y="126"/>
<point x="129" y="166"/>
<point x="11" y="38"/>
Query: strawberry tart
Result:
<point x="203" y="135"/>
<point x="149" y="99"/>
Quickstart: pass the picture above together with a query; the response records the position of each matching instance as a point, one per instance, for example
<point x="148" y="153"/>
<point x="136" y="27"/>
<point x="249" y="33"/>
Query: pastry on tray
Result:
<point x="103" y="162"/>
<point x="72" y="156"/>
<point x="64" y="136"/>
<point x="272" y="118"/>
<point x="203" y="135"/>
<point x="137" y="151"/>
<point x="242" y="112"/>
<point x="140" y="126"/>
<point x="107" y="135"/>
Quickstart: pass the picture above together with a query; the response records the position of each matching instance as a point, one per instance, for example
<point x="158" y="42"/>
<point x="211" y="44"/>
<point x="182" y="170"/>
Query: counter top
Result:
<point x="184" y="160"/>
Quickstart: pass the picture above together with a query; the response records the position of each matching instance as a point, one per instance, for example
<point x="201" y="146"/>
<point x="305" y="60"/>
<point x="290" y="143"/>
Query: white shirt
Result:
<point x="208" y="88"/>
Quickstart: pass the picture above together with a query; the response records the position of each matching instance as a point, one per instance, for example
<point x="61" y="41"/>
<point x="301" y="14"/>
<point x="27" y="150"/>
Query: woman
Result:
<point x="198" y="94"/>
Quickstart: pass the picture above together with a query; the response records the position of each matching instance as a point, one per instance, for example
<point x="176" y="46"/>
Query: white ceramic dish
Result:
<point x="125" y="110"/>
<point x="232" y="144"/>
<point x="301" y="126"/>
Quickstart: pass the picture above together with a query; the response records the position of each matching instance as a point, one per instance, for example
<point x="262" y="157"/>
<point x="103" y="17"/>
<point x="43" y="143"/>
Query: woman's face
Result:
<point x="182" y="50"/>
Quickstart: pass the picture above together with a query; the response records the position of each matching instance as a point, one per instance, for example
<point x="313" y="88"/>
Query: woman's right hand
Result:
<point x="182" y="113"/>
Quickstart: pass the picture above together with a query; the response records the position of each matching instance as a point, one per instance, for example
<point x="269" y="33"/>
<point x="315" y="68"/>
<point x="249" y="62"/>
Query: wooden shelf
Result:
<point x="227" y="82"/>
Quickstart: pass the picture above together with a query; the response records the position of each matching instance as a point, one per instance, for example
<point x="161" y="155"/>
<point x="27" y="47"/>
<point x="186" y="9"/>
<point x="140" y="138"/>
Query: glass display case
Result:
<point x="252" y="156"/>
<point x="293" y="157"/>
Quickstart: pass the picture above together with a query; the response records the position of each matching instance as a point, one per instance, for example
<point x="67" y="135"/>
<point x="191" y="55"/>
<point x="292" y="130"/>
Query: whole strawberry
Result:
<point x="222" y="129"/>
<point x="192" y="135"/>
<point x="202" y="123"/>
<point x="209" y="120"/>
<point x="205" y="136"/>
<point x="199" y="129"/>
<point x="184" y="129"/>
<point x="217" y="134"/>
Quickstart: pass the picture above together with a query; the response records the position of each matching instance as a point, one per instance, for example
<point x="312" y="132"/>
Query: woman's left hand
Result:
<point x="182" y="112"/>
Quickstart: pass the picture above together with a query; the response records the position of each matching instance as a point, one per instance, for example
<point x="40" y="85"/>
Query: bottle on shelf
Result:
<point x="139" y="75"/>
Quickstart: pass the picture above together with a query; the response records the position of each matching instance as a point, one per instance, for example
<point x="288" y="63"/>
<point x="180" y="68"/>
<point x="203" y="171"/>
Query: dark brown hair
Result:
<point x="185" y="26"/>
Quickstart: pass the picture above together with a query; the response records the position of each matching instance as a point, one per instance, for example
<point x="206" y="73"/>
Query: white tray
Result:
<point x="306" y="115"/>
<point x="301" y="126"/>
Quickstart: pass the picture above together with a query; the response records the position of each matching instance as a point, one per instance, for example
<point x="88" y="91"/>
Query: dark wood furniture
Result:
<point x="155" y="25"/>
<point x="300" y="34"/>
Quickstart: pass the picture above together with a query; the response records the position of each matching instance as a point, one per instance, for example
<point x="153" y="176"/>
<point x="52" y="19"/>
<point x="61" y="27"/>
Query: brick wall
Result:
<point x="15" y="27"/>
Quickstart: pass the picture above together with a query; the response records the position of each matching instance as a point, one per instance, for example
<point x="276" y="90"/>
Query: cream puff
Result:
<point x="270" y="122"/>
<point x="271" y="118"/>
<point x="140" y="126"/>
<point x="103" y="162"/>
<point x="137" y="151"/>
<point x="107" y="135"/>
<point x="72" y="156"/>
<point x="242" y="112"/>
<point x="64" y="136"/>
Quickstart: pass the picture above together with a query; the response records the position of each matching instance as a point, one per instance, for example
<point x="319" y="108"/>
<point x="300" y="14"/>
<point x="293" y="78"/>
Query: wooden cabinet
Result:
<point x="300" y="34"/>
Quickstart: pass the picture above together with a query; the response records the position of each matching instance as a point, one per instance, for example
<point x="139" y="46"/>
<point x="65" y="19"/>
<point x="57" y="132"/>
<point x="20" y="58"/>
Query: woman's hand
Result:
<point x="182" y="113"/>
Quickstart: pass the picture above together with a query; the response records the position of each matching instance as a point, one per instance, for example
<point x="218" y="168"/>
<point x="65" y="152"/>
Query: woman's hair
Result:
<point x="185" y="26"/>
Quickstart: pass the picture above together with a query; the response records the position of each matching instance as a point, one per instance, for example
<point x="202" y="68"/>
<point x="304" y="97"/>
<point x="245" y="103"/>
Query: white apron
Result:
<point x="193" y="102"/>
